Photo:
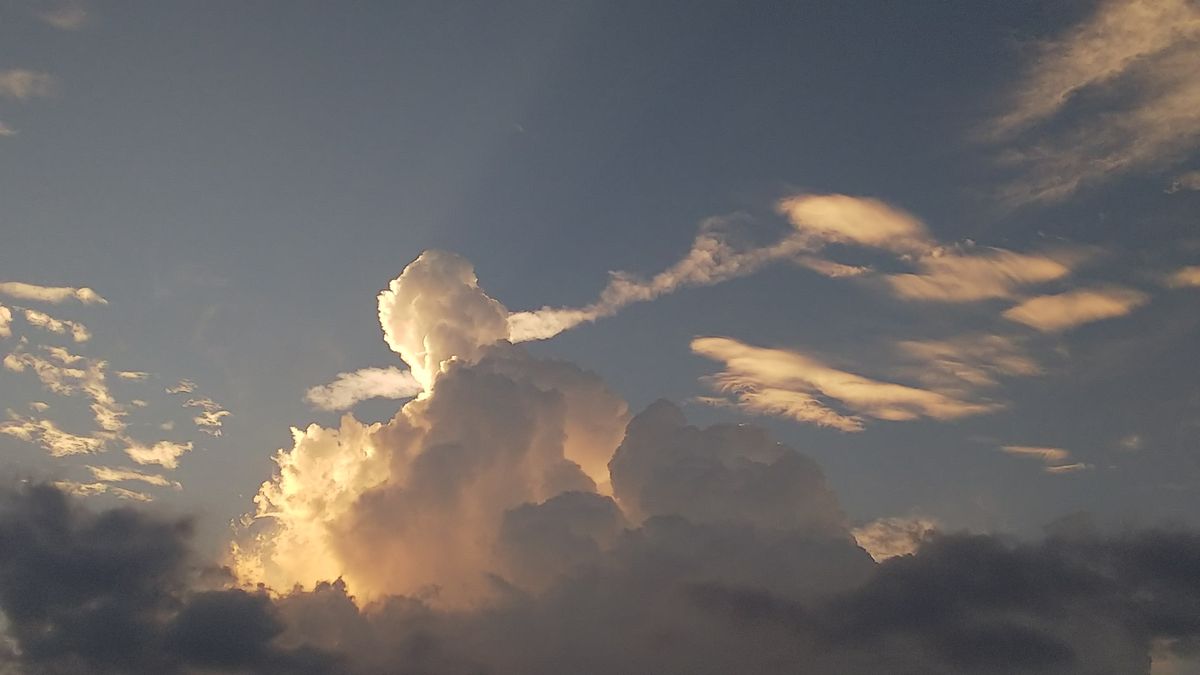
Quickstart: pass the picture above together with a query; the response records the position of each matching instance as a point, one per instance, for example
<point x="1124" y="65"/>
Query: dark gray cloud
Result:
<point x="119" y="592"/>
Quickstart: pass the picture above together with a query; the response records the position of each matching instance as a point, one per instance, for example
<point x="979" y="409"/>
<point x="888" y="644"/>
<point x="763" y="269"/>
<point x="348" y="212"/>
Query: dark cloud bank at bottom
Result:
<point x="687" y="591"/>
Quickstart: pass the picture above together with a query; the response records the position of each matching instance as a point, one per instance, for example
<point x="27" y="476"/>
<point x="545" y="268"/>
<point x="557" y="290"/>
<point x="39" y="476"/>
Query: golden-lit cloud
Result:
<point x="47" y="435"/>
<point x="211" y="416"/>
<point x="360" y="385"/>
<point x="109" y="474"/>
<point x="78" y="331"/>
<point x="1055" y="313"/>
<point x="1127" y="74"/>
<point x="859" y="221"/>
<point x="966" y="362"/>
<point x="895" y="536"/>
<point x="801" y="387"/>
<point x="163" y="453"/>
<point x="968" y="277"/>
<point x="5" y="321"/>
<point x="99" y="488"/>
<point x="1185" y="277"/>
<point x="1055" y="460"/>
<point x="51" y="294"/>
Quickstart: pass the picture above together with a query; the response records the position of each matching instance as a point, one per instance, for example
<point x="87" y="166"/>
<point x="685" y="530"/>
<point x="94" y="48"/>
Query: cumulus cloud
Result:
<point x="367" y="383"/>
<point x="801" y="387"/>
<point x="435" y="311"/>
<point x="51" y="294"/>
<point x="1056" y="313"/>
<point x="1185" y="277"/>
<point x="5" y="321"/>
<point x="886" y="538"/>
<point x="23" y="84"/>
<point x="1124" y="79"/>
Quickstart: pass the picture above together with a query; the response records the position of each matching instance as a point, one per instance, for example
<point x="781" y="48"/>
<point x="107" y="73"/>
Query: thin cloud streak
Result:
<point x="1057" y="313"/>
<point x="351" y="388"/>
<point x="51" y="294"/>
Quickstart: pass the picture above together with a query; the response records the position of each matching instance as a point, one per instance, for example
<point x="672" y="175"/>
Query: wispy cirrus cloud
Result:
<point x="110" y="474"/>
<point x="800" y="387"/>
<point x="1124" y="82"/>
<point x="211" y="416"/>
<point x="51" y="294"/>
<point x="66" y="16"/>
<point x="1185" y="182"/>
<point x="47" y="435"/>
<point x="1057" y="313"/>
<point x="965" y="363"/>
<point x="969" y="277"/>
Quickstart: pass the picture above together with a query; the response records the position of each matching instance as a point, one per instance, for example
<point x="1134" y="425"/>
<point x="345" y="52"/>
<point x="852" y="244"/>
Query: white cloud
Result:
<point x="360" y="385"/>
<point x="1134" y="62"/>
<point x="163" y="453"/>
<point x="1055" y="313"/>
<point x="860" y="221"/>
<point x="51" y="294"/>
<point x="5" y="321"/>
<point x="795" y="385"/>
<point x="23" y="84"/>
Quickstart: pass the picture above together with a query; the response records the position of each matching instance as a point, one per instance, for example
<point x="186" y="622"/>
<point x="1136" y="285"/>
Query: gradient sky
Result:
<point x="239" y="181"/>
<point x="949" y="251"/>
<point x="1011" y="191"/>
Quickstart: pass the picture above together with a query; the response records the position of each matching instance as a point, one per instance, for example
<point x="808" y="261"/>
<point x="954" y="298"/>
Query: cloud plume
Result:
<point x="367" y="383"/>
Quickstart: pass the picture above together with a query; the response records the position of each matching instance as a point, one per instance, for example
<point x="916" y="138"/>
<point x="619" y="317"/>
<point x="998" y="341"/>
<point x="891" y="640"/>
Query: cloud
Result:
<point x="118" y="592"/>
<point x="5" y="321"/>
<point x="67" y="16"/>
<point x="860" y="221"/>
<point x="163" y="453"/>
<point x="49" y="437"/>
<point x="110" y="474"/>
<point x="958" y="277"/>
<point x="1185" y="277"/>
<point x="798" y="386"/>
<point x="23" y="84"/>
<point x="74" y="375"/>
<point x="1124" y="79"/>
<point x="966" y="362"/>
<point x="182" y="387"/>
<point x="7" y="131"/>
<point x="1055" y="459"/>
<point x="211" y="416"/>
<point x="78" y="331"/>
<point x="715" y="256"/>
<point x="1188" y="181"/>
<point x="367" y="383"/>
<point x="1056" y="313"/>
<point x="92" y="489"/>
<point x="435" y="311"/>
<point x="51" y="294"/>
<point x="886" y="538"/>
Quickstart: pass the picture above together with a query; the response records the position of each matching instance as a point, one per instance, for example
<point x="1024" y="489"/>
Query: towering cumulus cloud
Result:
<point x="512" y="519"/>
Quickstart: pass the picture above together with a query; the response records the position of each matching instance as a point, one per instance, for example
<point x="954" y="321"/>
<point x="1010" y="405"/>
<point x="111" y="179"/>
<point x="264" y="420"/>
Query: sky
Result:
<point x="428" y="324"/>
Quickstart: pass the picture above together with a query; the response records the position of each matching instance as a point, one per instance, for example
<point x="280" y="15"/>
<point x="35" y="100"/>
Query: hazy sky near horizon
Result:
<point x="239" y="181"/>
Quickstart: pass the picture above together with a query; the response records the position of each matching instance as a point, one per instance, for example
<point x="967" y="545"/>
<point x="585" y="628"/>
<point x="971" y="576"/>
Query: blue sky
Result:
<point x="240" y="182"/>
